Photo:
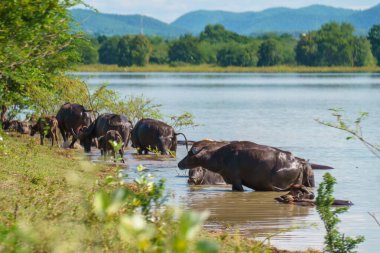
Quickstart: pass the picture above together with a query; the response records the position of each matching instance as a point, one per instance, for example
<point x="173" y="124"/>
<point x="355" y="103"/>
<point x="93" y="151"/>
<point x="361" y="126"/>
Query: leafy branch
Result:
<point x="335" y="242"/>
<point x="353" y="128"/>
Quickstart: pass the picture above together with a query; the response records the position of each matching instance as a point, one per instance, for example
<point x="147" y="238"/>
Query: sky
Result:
<point x="169" y="10"/>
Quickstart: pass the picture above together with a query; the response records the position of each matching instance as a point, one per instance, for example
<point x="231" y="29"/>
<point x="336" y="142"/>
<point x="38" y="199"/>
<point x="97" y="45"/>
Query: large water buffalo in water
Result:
<point x="72" y="117"/>
<point x="47" y="127"/>
<point x="151" y="134"/>
<point x="258" y="167"/>
<point x="101" y="126"/>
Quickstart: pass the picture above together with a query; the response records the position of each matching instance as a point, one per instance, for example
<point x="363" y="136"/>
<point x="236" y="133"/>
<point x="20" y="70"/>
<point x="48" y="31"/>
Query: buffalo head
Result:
<point x="200" y="154"/>
<point x="85" y="135"/>
<point x="196" y="175"/>
<point x="33" y="130"/>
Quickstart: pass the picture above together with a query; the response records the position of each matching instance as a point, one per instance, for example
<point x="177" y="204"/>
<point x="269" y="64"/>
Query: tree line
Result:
<point x="333" y="44"/>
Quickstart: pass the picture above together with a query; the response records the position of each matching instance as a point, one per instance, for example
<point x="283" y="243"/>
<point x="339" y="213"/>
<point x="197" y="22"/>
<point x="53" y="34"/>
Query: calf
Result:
<point x="22" y="127"/>
<point x="105" y="145"/>
<point x="202" y="176"/>
<point x="47" y="127"/>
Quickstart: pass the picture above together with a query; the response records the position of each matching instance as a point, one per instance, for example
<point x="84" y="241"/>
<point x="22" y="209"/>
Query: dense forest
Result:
<point x="333" y="44"/>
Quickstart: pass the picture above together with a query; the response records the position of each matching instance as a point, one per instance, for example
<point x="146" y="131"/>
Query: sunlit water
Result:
<point x="277" y="110"/>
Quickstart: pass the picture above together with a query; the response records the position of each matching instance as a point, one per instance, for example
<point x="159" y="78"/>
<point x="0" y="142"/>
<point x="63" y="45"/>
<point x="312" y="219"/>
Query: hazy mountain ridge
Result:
<point x="114" y="24"/>
<point x="279" y="20"/>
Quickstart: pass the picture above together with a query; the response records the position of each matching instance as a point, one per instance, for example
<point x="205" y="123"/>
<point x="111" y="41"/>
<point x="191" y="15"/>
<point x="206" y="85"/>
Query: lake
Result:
<point x="276" y="110"/>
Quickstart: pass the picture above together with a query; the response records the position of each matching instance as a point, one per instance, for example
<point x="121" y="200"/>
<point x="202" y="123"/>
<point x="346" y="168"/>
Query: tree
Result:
<point x="133" y="50"/>
<point x="306" y="50"/>
<point x="123" y="51"/>
<point x="36" y="45"/>
<point x="269" y="53"/>
<point x="88" y="50"/>
<point x="218" y="34"/>
<point x="141" y="49"/>
<point x="160" y="50"/>
<point x="108" y="53"/>
<point x="334" y="42"/>
<point x="362" y="55"/>
<point x="236" y="55"/>
<point x="185" y="49"/>
<point x="374" y="38"/>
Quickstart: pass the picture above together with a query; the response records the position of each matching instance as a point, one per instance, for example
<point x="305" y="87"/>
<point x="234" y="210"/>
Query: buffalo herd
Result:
<point x="238" y="163"/>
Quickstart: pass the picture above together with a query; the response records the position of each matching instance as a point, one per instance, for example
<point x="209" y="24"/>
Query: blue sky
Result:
<point x="169" y="10"/>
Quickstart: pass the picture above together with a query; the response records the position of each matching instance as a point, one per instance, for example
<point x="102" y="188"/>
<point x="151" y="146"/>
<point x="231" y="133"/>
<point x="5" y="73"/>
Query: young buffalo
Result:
<point x="47" y="127"/>
<point x="105" y="146"/>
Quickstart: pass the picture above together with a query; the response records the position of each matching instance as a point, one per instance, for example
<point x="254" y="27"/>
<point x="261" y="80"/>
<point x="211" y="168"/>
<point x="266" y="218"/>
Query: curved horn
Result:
<point x="320" y="167"/>
<point x="187" y="147"/>
<point x="74" y="134"/>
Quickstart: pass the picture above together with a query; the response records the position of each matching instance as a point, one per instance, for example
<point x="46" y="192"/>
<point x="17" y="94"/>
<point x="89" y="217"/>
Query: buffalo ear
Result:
<point x="194" y="151"/>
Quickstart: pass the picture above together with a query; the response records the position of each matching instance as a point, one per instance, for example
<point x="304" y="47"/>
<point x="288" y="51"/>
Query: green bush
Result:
<point x="335" y="242"/>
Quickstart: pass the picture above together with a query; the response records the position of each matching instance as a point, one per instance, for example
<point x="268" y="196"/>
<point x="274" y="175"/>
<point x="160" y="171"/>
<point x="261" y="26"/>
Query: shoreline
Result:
<point x="217" y="69"/>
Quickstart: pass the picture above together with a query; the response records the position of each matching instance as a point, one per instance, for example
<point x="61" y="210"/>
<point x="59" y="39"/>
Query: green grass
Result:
<point x="46" y="203"/>
<point x="217" y="69"/>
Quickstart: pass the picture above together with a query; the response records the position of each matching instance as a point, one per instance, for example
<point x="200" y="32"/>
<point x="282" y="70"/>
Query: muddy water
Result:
<point x="277" y="110"/>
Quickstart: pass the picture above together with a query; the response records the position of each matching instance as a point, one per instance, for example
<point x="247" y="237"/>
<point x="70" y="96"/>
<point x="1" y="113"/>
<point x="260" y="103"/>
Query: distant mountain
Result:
<point x="112" y="24"/>
<point x="279" y="20"/>
<point x="364" y="20"/>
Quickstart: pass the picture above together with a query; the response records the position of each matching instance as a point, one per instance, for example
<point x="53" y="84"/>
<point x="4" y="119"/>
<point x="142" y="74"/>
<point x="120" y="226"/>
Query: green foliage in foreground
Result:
<point x="335" y="242"/>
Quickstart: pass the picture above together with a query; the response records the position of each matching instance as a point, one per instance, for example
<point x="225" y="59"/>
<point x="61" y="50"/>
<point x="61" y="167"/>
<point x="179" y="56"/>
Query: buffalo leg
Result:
<point x="237" y="187"/>
<point x="161" y="148"/>
<point x="73" y="142"/>
<point x="63" y="133"/>
<point x="55" y="136"/>
<point x="41" y="139"/>
<point x="121" y="152"/>
<point x="51" y="135"/>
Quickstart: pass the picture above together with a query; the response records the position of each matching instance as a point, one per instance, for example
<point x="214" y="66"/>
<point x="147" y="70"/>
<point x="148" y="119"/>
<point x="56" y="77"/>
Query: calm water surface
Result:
<point x="277" y="110"/>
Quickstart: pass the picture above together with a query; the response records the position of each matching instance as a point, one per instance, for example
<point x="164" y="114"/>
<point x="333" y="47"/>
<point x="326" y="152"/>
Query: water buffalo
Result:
<point x="202" y="176"/>
<point x="3" y="114"/>
<point x="151" y="134"/>
<point x="101" y="126"/>
<point x="105" y="145"/>
<point x="72" y="116"/>
<point x="258" y="167"/>
<point x="47" y="127"/>
<point x="22" y="127"/>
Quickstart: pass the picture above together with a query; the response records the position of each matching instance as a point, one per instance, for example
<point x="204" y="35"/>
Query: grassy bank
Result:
<point x="46" y="203"/>
<point x="218" y="69"/>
